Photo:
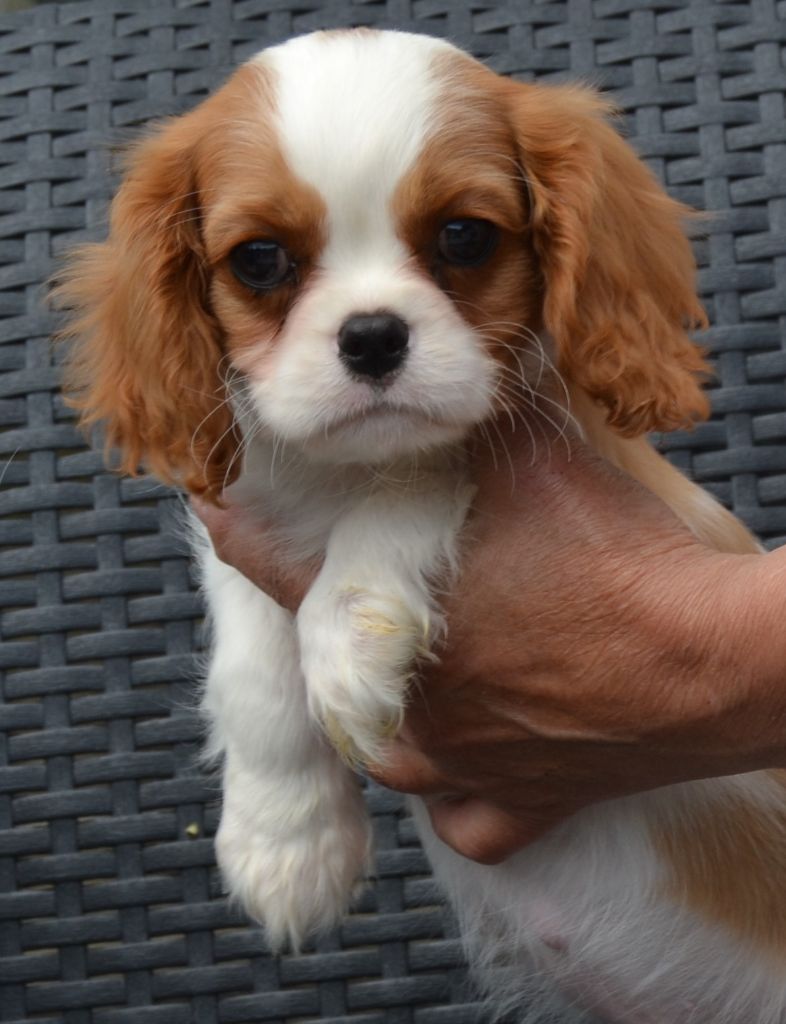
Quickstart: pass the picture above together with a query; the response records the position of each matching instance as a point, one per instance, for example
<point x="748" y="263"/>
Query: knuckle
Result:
<point x="484" y="852"/>
<point x="466" y="842"/>
<point x="390" y="778"/>
<point x="399" y="779"/>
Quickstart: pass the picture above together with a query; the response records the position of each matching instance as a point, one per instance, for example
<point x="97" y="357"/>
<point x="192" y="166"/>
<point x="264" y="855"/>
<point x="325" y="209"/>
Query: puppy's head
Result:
<point x="349" y="247"/>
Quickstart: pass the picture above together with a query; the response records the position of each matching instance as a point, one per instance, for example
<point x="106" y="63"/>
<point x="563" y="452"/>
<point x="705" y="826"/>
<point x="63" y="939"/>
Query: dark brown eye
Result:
<point x="261" y="264"/>
<point x="468" y="242"/>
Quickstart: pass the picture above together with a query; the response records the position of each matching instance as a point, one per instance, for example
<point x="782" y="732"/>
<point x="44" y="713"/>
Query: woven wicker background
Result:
<point x="110" y="908"/>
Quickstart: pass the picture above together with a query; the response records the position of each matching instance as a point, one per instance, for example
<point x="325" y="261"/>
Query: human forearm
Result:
<point x="750" y="685"/>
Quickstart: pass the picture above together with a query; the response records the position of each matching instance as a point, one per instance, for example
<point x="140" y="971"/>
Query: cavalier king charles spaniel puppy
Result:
<point x="316" y="285"/>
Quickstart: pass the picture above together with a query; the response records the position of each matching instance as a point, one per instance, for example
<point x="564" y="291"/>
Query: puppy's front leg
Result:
<point x="369" y="614"/>
<point x="294" y="835"/>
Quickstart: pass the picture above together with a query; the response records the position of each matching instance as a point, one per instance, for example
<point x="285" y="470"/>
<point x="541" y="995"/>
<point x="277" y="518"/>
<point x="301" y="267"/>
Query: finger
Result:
<point x="247" y="543"/>
<point x="231" y="528"/>
<point x="482" y="832"/>
<point x="406" y="770"/>
<point x="209" y="514"/>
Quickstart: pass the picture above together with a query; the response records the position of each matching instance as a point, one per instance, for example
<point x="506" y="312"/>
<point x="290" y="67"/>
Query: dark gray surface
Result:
<point x="109" y="911"/>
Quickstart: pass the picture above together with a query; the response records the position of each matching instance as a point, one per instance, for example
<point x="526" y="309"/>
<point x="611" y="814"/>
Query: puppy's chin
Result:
<point x="381" y="436"/>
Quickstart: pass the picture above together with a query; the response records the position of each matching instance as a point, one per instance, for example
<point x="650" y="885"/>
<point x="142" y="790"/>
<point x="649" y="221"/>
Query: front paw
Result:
<point x="296" y="882"/>
<point x="358" y="652"/>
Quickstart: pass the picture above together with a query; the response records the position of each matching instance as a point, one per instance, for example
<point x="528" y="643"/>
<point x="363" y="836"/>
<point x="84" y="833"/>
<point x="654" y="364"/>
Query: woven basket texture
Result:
<point x="111" y="910"/>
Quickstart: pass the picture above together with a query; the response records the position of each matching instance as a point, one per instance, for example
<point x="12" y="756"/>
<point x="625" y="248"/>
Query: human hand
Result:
<point x="588" y="654"/>
<point x="595" y="649"/>
<point x="248" y="544"/>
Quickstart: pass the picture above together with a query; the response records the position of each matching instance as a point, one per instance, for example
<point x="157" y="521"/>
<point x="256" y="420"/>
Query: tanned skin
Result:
<point x="595" y="648"/>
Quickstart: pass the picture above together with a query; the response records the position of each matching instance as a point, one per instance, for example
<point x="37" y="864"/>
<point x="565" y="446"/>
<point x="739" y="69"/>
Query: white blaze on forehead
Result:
<point x="353" y="111"/>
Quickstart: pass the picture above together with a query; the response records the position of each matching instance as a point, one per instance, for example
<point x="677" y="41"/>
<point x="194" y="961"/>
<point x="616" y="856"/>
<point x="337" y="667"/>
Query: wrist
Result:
<point x="730" y="619"/>
<point x="758" y="641"/>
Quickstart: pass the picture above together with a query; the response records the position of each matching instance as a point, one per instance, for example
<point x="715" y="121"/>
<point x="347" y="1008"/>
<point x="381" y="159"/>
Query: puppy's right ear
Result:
<point x="145" y="349"/>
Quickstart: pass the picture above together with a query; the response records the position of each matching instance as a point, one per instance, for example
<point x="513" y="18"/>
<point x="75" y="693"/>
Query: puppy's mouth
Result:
<point x="384" y="415"/>
<point x="382" y="431"/>
<point x="379" y="413"/>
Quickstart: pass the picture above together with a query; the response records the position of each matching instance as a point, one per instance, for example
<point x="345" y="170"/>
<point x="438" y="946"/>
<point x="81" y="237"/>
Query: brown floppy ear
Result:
<point x="618" y="270"/>
<point x="145" y="349"/>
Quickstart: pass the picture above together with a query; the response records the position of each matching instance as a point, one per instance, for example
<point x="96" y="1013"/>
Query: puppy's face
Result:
<point x="350" y="247"/>
<point x="368" y="252"/>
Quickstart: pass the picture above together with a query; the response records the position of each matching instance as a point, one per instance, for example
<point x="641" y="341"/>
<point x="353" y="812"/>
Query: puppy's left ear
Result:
<point x="619" y="274"/>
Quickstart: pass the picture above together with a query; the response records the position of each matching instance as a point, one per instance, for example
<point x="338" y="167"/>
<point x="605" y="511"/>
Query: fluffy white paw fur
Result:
<point x="358" y="651"/>
<point x="294" y="870"/>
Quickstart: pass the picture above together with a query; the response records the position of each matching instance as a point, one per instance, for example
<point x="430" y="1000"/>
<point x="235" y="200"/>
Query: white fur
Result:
<point x="293" y="838"/>
<point x="578" y="921"/>
<point x="353" y="113"/>
<point x="371" y="480"/>
<point x="445" y="385"/>
<point x="369" y="613"/>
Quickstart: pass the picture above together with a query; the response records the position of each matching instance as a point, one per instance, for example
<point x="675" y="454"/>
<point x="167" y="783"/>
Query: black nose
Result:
<point x="374" y="344"/>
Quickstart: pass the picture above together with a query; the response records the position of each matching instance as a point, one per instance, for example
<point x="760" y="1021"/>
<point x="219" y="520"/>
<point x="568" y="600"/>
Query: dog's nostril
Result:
<point x="373" y="344"/>
<point x="351" y="346"/>
<point x="394" y="343"/>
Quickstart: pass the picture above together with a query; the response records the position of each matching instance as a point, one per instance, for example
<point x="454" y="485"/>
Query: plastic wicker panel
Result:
<point x="110" y="909"/>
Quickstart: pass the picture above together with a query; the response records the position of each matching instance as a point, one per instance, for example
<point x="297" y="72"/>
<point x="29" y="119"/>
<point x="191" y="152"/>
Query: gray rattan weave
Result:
<point x="110" y="908"/>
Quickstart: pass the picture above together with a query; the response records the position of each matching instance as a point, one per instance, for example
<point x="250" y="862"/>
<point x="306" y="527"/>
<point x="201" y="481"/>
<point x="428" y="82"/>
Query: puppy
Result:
<point x="316" y="285"/>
